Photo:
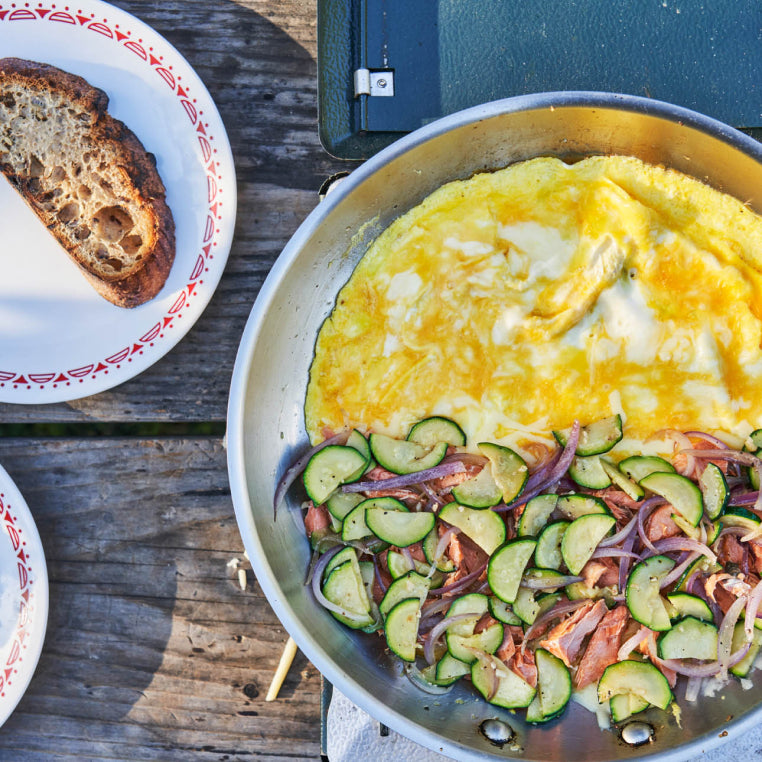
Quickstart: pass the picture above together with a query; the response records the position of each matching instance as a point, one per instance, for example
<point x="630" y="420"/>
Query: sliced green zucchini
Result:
<point x="502" y="611"/>
<point x="637" y="467"/>
<point x="513" y="692"/>
<point x="530" y="604"/>
<point x="399" y="528"/>
<point x="345" y="588"/>
<point x="506" y="567"/>
<point x="431" y="431"/>
<point x="640" y="678"/>
<point x="690" y="638"/>
<point x="476" y="604"/>
<point x="329" y="468"/>
<point x="509" y="469"/>
<point x="578" y="590"/>
<point x="740" y="517"/>
<point x="632" y="489"/>
<point x="701" y="564"/>
<point x="581" y="538"/>
<point x="624" y="705"/>
<point x="412" y="585"/>
<point x="402" y="457"/>
<point x="714" y="489"/>
<point x="463" y="647"/>
<point x="547" y="554"/>
<point x="684" y="604"/>
<point x="399" y="566"/>
<point x="589" y="472"/>
<point x="554" y="688"/>
<point x="485" y="528"/>
<point x="743" y="667"/>
<point x="536" y="514"/>
<point x="679" y="491"/>
<point x="449" y="669"/>
<point x="401" y="628"/>
<point x="430" y="544"/>
<point x="360" y="443"/>
<point x="575" y="505"/>
<point x="480" y="491"/>
<point x="355" y="526"/>
<point x="595" y="438"/>
<point x="345" y="554"/>
<point x="339" y="504"/>
<point x="643" y="596"/>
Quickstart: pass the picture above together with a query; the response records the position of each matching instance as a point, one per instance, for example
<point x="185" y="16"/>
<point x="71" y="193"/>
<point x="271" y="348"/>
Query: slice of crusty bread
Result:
<point x="88" y="178"/>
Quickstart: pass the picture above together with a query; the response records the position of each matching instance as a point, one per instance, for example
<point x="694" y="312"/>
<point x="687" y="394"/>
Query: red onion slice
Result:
<point x="437" y="630"/>
<point x="621" y="535"/>
<point x="725" y="633"/>
<point x="554" y="475"/>
<point x="671" y="544"/>
<point x="417" y="678"/>
<point x="678" y="570"/>
<point x="461" y="584"/>
<point x="632" y="643"/>
<point x="397" y="482"/>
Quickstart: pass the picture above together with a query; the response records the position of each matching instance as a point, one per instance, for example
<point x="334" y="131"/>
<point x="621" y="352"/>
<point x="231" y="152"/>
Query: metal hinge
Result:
<point x="374" y="82"/>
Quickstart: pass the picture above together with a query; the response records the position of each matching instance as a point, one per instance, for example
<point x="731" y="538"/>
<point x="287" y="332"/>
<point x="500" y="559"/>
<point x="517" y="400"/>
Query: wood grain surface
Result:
<point x="153" y="651"/>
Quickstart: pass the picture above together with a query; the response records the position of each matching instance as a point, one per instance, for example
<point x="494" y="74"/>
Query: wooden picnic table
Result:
<point x="153" y="649"/>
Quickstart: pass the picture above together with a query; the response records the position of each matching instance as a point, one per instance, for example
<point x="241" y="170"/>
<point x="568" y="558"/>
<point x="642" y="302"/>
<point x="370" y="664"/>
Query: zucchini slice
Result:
<point x="581" y="538"/>
<point x="642" y="593"/>
<point x="485" y="528"/>
<point x="480" y="491"/>
<point x="357" y="440"/>
<point x="344" y="587"/>
<point x="463" y="647"/>
<point x="329" y="468"/>
<point x="449" y="669"/>
<point x="401" y="628"/>
<point x="547" y="554"/>
<point x="412" y="585"/>
<point x="355" y="526"/>
<point x="339" y="504"/>
<point x="554" y="688"/>
<point x="536" y="514"/>
<point x="637" y="467"/>
<point x="740" y="517"/>
<point x="472" y="603"/>
<point x="399" y="528"/>
<point x="502" y="611"/>
<point x="513" y="692"/>
<point x="632" y="489"/>
<point x="639" y="678"/>
<point x="509" y="469"/>
<point x="506" y="567"/>
<point x="575" y="505"/>
<point x="589" y="472"/>
<point x="432" y="431"/>
<point x="399" y="566"/>
<point x="530" y="604"/>
<point x="684" y="604"/>
<point x="714" y="489"/>
<point x="679" y="491"/>
<point x="595" y="438"/>
<point x="690" y="638"/>
<point x="743" y="667"/>
<point x="430" y="543"/>
<point x="403" y="457"/>
<point x="624" y="705"/>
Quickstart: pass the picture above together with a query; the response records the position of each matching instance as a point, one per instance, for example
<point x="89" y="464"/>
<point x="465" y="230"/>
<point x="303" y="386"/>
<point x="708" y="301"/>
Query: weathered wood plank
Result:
<point x="257" y="59"/>
<point x="153" y="650"/>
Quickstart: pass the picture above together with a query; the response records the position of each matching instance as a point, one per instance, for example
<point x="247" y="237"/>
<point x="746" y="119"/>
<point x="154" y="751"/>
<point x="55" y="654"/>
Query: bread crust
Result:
<point x="130" y="194"/>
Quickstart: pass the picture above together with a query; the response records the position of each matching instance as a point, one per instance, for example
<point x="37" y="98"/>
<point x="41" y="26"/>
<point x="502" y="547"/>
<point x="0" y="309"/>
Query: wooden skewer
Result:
<point x="286" y="658"/>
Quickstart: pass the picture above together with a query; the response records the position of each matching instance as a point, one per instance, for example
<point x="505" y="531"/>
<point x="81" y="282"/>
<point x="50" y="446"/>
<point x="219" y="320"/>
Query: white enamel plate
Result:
<point x="23" y="596"/>
<point x="59" y="340"/>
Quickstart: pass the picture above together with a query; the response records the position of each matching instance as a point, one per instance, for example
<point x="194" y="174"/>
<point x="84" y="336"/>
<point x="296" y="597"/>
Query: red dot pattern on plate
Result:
<point x="49" y="13"/>
<point x="12" y="653"/>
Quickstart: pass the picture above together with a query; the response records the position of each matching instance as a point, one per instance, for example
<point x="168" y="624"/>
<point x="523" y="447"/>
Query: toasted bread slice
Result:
<point x="88" y="178"/>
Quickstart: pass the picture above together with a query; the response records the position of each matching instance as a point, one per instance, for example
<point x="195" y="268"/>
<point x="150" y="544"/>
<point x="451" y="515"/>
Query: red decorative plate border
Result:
<point x="22" y="559"/>
<point x="125" y="31"/>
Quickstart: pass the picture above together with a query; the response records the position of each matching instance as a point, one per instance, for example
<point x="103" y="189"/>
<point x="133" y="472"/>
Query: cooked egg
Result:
<point x="520" y="300"/>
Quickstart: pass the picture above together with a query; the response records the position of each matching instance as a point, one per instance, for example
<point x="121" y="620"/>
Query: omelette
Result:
<point x="518" y="301"/>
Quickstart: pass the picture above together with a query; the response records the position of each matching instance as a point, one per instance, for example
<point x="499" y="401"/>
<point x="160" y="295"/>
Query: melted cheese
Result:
<point x="518" y="301"/>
